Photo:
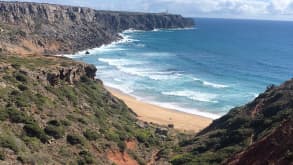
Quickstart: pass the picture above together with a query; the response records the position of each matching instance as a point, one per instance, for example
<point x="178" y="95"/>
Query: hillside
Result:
<point x="257" y="133"/>
<point x="33" y="28"/>
<point x="53" y="111"/>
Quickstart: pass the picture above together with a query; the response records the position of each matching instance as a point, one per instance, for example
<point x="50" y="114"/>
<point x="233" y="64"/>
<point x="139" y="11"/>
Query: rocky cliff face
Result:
<point x="50" y="29"/>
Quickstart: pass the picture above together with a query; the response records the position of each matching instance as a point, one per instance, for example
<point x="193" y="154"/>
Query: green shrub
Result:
<point x="32" y="142"/>
<point x="40" y="100"/>
<point x="91" y="135"/>
<point x="122" y="146"/>
<point x="3" y="115"/>
<point x="23" y="100"/>
<point x="74" y="139"/>
<point x="181" y="159"/>
<point x="8" y="142"/>
<point x="17" y="116"/>
<point x="142" y="136"/>
<point x="33" y="130"/>
<point x="85" y="158"/>
<point x="15" y="93"/>
<point x="22" y="87"/>
<point x="2" y="155"/>
<point x="65" y="122"/>
<point x="21" y="77"/>
<point x="54" y="123"/>
<point x="16" y="66"/>
<point x="112" y="136"/>
<point x="56" y="131"/>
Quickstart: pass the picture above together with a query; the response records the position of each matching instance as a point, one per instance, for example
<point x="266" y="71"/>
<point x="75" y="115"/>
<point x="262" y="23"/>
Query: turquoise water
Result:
<point x="206" y="70"/>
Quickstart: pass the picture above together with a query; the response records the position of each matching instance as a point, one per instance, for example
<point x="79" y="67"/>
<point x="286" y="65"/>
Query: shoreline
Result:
<point x="162" y="116"/>
<point x="124" y="38"/>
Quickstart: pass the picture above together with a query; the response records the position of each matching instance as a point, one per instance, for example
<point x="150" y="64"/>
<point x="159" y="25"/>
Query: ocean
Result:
<point x="206" y="70"/>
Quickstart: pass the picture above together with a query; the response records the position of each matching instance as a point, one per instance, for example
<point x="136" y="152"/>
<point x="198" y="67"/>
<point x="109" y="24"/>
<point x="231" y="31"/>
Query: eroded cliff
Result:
<point x="32" y="28"/>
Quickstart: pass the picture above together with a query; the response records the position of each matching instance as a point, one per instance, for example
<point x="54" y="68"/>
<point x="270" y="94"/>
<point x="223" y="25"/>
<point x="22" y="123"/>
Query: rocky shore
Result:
<point x="33" y="28"/>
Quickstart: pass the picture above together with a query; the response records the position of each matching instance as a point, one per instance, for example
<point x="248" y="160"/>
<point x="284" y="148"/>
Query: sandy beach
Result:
<point x="163" y="116"/>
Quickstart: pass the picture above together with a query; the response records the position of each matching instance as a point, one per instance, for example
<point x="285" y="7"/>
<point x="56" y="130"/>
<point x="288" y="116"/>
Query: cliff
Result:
<point x="33" y="28"/>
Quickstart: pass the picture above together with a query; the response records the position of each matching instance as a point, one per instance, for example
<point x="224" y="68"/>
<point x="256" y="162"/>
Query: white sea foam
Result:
<point x="129" y="67"/>
<point x="131" y="30"/>
<point x="210" y="84"/>
<point x="122" y="87"/>
<point x="176" y="106"/>
<point x="128" y="89"/>
<point x="120" y="62"/>
<point x="215" y="85"/>
<point x="193" y="95"/>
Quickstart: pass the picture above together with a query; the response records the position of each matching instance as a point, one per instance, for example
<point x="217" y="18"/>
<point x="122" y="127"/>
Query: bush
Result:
<point x="20" y="77"/>
<point x="2" y="155"/>
<point x="22" y="101"/>
<point x="17" y="116"/>
<point x="3" y="115"/>
<point x="56" y="131"/>
<point x="54" y="123"/>
<point x="91" y="135"/>
<point x="33" y="130"/>
<point x="15" y="93"/>
<point x="122" y="146"/>
<point x="142" y="136"/>
<point x="181" y="159"/>
<point x="32" y="142"/>
<point x="16" y="66"/>
<point x="112" y="136"/>
<point x="8" y="142"/>
<point x="86" y="158"/>
<point x="74" y="139"/>
<point x="65" y="122"/>
<point x="22" y="87"/>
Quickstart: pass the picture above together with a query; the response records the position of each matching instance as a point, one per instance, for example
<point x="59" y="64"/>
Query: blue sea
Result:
<point x="205" y="70"/>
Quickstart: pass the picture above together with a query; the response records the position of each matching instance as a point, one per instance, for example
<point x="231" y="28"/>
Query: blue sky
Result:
<point x="252" y="9"/>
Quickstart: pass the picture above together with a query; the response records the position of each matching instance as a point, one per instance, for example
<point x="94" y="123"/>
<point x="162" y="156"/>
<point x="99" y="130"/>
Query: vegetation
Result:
<point x="74" y="120"/>
<point x="91" y="135"/>
<point x="74" y="139"/>
<point x="68" y="116"/>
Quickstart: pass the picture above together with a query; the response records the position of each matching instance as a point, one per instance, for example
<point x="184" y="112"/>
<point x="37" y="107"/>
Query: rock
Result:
<point x="70" y="74"/>
<point x="87" y="52"/>
<point x="2" y="85"/>
<point x="170" y="125"/>
<point x="162" y="131"/>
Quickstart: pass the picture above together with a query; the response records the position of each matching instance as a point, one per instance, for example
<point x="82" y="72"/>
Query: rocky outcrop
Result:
<point x="70" y="74"/>
<point x="54" y="29"/>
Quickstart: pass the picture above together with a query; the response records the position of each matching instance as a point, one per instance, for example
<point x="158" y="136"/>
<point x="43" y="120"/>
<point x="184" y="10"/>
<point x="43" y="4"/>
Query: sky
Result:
<point x="247" y="9"/>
